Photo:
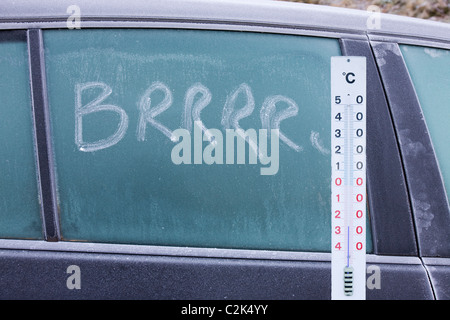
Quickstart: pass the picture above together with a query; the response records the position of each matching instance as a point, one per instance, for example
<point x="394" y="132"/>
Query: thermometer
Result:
<point x="348" y="178"/>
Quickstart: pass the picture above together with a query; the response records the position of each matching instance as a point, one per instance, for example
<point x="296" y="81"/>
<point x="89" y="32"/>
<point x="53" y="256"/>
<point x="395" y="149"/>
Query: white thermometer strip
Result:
<point x="348" y="178"/>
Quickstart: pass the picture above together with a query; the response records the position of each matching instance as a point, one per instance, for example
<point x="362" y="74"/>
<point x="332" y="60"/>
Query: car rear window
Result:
<point x="147" y="126"/>
<point x="429" y="69"/>
<point x="19" y="204"/>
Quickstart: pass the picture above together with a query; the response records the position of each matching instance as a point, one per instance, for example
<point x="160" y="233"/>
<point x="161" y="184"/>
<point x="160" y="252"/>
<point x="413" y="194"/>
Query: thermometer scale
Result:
<point x="348" y="178"/>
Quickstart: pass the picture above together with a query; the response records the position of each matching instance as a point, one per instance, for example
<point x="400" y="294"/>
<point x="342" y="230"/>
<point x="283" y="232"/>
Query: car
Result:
<point x="122" y="172"/>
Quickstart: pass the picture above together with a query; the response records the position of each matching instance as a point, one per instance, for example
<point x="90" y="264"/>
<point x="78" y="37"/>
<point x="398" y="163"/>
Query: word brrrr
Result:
<point x="197" y="98"/>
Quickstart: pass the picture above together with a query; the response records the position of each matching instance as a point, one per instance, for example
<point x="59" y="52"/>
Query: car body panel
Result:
<point x="40" y="270"/>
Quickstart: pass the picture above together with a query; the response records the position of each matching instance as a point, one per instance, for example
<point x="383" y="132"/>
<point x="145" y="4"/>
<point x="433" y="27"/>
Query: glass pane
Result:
<point x="19" y="205"/>
<point x="430" y="72"/>
<point x="120" y="99"/>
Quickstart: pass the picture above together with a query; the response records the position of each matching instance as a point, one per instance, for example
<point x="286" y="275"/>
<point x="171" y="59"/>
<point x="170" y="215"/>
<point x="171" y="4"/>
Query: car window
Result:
<point x="429" y="69"/>
<point x="192" y="138"/>
<point x="19" y="204"/>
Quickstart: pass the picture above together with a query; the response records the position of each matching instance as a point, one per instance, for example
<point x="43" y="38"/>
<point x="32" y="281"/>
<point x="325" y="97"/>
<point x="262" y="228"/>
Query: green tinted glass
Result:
<point x="430" y="72"/>
<point x="19" y="205"/>
<point x="147" y="126"/>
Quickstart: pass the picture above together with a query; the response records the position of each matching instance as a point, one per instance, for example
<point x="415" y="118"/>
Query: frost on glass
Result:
<point x="430" y="72"/>
<point x="19" y="202"/>
<point x="147" y="126"/>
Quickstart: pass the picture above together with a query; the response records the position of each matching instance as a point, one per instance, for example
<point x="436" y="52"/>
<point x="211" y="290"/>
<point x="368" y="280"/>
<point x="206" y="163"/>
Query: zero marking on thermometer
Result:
<point x="348" y="178"/>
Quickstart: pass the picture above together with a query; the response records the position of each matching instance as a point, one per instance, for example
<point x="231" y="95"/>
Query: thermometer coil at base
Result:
<point x="348" y="281"/>
<point x="348" y="161"/>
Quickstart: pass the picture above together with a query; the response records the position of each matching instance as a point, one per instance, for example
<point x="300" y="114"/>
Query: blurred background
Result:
<point x="438" y="10"/>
